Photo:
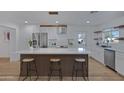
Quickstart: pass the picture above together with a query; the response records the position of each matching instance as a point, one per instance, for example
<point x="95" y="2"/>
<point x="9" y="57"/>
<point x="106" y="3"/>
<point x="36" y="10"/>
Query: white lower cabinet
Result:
<point x="98" y="54"/>
<point x="119" y="63"/>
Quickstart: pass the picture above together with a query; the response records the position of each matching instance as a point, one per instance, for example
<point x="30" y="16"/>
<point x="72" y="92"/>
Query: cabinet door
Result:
<point x="98" y="54"/>
<point x="119" y="63"/>
<point x="121" y="32"/>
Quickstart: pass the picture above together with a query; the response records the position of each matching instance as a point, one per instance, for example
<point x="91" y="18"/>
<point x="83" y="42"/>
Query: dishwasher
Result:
<point x="109" y="58"/>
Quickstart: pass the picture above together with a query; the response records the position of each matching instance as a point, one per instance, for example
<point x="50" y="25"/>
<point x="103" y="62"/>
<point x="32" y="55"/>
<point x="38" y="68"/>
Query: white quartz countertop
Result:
<point x="116" y="49"/>
<point x="55" y="51"/>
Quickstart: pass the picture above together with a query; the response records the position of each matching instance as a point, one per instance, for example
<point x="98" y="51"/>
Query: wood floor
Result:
<point x="9" y="71"/>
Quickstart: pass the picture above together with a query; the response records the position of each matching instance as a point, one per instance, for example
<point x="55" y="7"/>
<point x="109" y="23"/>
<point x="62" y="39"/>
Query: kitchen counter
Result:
<point x="109" y="49"/>
<point x="55" y="51"/>
<point x="42" y="57"/>
<point x="115" y="49"/>
<point x="112" y="49"/>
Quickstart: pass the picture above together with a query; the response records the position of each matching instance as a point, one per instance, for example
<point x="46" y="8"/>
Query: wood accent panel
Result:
<point x="42" y="61"/>
<point x="53" y="25"/>
<point x="53" y="13"/>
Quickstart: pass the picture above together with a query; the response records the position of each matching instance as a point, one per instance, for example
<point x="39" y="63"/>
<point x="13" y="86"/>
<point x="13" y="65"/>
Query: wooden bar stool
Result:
<point x="79" y="65"/>
<point x="55" y="66"/>
<point x="29" y="63"/>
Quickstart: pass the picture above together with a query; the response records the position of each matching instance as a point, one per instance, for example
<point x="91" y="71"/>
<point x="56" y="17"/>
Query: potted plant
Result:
<point x="30" y="43"/>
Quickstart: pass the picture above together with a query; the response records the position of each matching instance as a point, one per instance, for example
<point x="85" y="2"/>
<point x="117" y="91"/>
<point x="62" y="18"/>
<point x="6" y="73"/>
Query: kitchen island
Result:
<point x="42" y="56"/>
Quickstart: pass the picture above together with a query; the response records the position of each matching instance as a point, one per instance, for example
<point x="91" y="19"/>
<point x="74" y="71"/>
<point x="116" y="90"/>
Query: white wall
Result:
<point x="7" y="46"/>
<point x="25" y="33"/>
<point x="13" y="26"/>
<point x="62" y="39"/>
<point x="74" y="30"/>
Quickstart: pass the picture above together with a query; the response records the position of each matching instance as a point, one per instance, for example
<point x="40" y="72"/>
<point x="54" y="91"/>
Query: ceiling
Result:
<point x="64" y="17"/>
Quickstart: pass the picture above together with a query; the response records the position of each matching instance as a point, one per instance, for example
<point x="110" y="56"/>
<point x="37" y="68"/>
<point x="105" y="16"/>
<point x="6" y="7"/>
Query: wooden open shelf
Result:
<point x="53" y="25"/>
<point x="120" y="26"/>
<point x="98" y="32"/>
<point x="120" y="38"/>
<point x="97" y="38"/>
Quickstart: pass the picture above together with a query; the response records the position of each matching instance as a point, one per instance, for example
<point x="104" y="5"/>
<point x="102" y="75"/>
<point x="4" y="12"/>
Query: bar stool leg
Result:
<point x="20" y="70"/>
<point x="72" y="74"/>
<point x="60" y="74"/>
<point x="26" y="72"/>
<point x="73" y="70"/>
<point x="53" y="68"/>
<point x="29" y="69"/>
<point x="60" y="71"/>
<point x="50" y="72"/>
<point x="84" y="71"/>
<point x="36" y="70"/>
<point x="76" y="73"/>
<point x="49" y="75"/>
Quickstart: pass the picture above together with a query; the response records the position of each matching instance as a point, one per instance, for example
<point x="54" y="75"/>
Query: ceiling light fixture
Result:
<point x="87" y="21"/>
<point x="57" y="22"/>
<point x="26" y="22"/>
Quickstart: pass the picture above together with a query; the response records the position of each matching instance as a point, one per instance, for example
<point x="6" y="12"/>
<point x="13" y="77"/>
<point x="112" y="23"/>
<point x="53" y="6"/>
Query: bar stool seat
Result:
<point x="79" y="59"/>
<point x="55" y="66"/>
<point x="55" y="59"/>
<point x="79" y="62"/>
<point x="29" y="62"/>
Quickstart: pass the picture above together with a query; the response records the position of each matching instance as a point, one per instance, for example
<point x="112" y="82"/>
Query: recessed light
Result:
<point x="57" y="22"/>
<point x="87" y="21"/>
<point x="26" y="22"/>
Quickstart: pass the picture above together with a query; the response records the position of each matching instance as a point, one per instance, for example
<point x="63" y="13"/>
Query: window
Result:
<point x="110" y="35"/>
<point x="115" y="34"/>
